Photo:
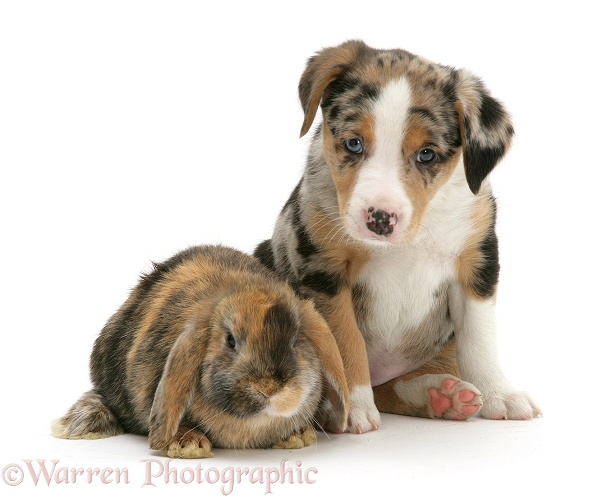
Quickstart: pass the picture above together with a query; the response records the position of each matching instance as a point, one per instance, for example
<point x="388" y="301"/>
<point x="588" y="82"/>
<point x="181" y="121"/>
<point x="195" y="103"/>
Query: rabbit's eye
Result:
<point x="231" y="341"/>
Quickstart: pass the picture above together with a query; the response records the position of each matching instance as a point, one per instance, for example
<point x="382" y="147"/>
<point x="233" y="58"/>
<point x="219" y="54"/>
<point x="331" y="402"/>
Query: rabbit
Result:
<point x="211" y="350"/>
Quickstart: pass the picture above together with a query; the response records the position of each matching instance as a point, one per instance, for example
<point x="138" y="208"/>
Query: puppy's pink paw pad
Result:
<point x="439" y="402"/>
<point x="469" y="409"/>
<point x="448" y="384"/>
<point x="455" y="400"/>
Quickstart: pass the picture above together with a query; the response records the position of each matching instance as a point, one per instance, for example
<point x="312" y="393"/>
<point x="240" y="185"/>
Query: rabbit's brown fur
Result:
<point x="210" y="349"/>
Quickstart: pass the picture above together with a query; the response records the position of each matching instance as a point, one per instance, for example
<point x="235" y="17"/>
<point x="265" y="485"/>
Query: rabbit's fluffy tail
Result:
<point x="88" y="418"/>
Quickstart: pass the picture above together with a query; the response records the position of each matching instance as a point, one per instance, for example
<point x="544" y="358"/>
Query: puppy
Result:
<point x="391" y="232"/>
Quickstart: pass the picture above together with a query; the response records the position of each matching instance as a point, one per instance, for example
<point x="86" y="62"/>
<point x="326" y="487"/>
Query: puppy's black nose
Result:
<point x="381" y="222"/>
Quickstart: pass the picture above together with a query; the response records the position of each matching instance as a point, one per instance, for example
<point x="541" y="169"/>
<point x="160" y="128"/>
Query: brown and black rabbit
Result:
<point x="210" y="350"/>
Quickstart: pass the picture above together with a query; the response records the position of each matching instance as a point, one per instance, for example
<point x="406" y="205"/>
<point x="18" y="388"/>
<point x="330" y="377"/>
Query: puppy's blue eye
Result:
<point x="354" y="145"/>
<point x="426" y="156"/>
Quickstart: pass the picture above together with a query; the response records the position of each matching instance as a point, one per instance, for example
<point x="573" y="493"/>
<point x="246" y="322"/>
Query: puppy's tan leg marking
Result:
<point x="432" y="391"/>
<point x="339" y="315"/>
<point x="189" y="442"/>
<point x="297" y="440"/>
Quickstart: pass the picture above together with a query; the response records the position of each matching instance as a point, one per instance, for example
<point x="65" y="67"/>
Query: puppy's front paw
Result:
<point x="363" y="415"/>
<point x="454" y="399"/>
<point x="511" y="405"/>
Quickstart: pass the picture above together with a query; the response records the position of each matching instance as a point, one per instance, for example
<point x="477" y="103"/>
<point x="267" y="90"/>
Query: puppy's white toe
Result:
<point x="512" y="406"/>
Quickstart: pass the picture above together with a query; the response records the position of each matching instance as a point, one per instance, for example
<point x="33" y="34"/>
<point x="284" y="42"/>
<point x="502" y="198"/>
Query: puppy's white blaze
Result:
<point x="379" y="184"/>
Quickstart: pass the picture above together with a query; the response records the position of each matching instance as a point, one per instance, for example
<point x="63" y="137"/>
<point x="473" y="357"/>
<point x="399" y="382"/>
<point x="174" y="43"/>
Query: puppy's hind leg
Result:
<point x="432" y="391"/>
<point x="88" y="418"/>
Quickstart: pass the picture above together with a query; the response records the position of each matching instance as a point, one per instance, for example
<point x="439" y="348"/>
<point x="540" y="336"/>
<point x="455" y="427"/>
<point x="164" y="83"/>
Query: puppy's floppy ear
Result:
<point x="321" y="70"/>
<point x="177" y="384"/>
<point x="485" y="127"/>
<point x="325" y="346"/>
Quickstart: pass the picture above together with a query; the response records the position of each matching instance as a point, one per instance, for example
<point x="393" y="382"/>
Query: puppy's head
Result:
<point x="395" y="126"/>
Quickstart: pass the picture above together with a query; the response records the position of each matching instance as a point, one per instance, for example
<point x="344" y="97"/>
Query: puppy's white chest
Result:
<point x="402" y="284"/>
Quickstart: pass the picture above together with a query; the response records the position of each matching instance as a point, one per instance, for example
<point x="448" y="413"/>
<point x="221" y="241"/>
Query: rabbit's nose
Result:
<point x="266" y="387"/>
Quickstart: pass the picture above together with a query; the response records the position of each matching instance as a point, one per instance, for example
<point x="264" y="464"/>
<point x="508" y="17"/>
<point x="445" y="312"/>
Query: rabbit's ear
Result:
<point x="177" y="384"/>
<point x="321" y="338"/>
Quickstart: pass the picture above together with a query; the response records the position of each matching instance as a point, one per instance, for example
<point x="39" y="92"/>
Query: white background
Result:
<point x="130" y="130"/>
